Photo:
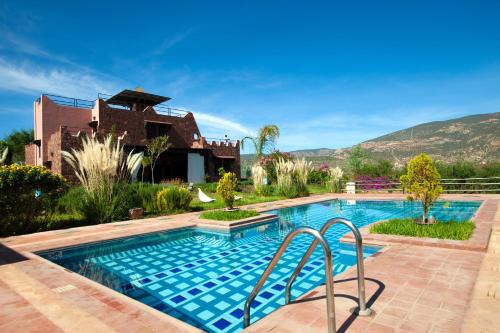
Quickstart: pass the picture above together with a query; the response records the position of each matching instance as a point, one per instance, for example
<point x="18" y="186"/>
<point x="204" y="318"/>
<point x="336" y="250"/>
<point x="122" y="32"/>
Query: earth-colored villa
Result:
<point x="133" y="116"/>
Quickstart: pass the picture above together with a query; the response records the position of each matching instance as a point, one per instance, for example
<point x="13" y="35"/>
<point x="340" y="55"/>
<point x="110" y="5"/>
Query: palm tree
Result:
<point x="264" y="141"/>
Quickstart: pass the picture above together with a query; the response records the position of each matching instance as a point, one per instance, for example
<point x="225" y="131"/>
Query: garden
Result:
<point x="108" y="190"/>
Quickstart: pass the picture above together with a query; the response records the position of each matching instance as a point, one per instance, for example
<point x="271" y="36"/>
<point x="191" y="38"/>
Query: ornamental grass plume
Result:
<point x="3" y="155"/>
<point x="284" y="177"/>
<point x="259" y="175"/>
<point x="302" y="169"/>
<point x="102" y="168"/>
<point x="334" y="177"/>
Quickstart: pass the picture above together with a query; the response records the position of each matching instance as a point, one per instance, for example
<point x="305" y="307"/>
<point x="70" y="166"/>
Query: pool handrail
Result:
<point x="330" y="301"/>
<point x="363" y="310"/>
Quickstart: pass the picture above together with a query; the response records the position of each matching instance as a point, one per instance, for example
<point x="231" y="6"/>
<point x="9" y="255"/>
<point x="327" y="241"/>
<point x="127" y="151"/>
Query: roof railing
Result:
<point x="69" y="101"/>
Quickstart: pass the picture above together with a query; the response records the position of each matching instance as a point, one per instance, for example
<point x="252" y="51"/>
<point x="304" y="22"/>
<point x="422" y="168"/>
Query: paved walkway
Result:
<point x="483" y="314"/>
<point x="411" y="288"/>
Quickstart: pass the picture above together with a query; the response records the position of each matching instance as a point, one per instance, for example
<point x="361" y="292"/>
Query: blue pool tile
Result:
<point x="235" y="273"/>
<point x="238" y="313"/>
<point x="222" y="323"/>
<point x="255" y="304"/>
<point x="175" y="270"/>
<point x="178" y="299"/>
<point x="266" y="295"/>
<point x="160" y="275"/>
<point x="209" y="284"/>
<point x="145" y="280"/>
<point x="194" y="291"/>
<point x="223" y="278"/>
<point x="278" y="287"/>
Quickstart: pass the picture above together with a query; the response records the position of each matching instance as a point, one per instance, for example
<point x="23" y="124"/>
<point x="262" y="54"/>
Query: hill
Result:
<point x="473" y="138"/>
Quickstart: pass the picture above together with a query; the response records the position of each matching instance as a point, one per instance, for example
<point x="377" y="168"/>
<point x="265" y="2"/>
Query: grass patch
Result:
<point x="222" y="215"/>
<point x="456" y="230"/>
<point x="248" y="199"/>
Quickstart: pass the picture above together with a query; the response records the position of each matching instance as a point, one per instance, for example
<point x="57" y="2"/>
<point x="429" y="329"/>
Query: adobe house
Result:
<point x="133" y="116"/>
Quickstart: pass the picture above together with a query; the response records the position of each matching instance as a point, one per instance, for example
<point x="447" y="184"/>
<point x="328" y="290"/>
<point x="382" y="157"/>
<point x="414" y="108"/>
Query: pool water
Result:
<point x="203" y="277"/>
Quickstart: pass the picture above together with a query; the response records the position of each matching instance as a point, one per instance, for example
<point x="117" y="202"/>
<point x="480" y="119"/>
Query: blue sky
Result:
<point x="328" y="73"/>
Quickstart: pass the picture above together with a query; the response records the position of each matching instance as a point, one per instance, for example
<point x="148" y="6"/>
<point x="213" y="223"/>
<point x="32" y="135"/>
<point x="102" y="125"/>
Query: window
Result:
<point x="154" y="129"/>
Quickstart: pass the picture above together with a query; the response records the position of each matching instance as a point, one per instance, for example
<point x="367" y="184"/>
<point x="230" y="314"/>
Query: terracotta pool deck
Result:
<point x="411" y="287"/>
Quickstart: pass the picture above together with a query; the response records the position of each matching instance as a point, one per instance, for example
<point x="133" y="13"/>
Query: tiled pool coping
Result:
<point x="96" y="305"/>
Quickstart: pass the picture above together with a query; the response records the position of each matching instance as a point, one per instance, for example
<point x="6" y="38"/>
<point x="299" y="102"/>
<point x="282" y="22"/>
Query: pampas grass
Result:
<point x="292" y="177"/>
<point x="101" y="168"/>
<point x="3" y="155"/>
<point x="259" y="174"/>
<point x="334" y="177"/>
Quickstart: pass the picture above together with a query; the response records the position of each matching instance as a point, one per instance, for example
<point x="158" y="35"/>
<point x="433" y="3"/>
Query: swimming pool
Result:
<point x="203" y="277"/>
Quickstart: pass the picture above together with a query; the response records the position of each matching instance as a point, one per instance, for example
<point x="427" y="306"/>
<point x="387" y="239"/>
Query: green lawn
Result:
<point x="222" y="215"/>
<point x="248" y="199"/>
<point x="456" y="230"/>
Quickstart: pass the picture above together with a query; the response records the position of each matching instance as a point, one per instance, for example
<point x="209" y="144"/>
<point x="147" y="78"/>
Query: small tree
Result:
<point x="355" y="160"/>
<point x="155" y="148"/>
<point x="226" y="188"/>
<point x="423" y="181"/>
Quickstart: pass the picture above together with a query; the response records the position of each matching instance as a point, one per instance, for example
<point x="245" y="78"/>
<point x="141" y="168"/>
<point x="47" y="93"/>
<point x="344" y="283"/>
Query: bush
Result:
<point x="71" y="201"/>
<point x="226" y="188"/>
<point x="407" y="227"/>
<point x="27" y="192"/>
<point x="173" y="199"/>
<point x="318" y="176"/>
<point x="98" y="208"/>
<point x="224" y="215"/>
<point x="147" y="196"/>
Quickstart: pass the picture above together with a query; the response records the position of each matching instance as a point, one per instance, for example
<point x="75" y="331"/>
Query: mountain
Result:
<point x="474" y="138"/>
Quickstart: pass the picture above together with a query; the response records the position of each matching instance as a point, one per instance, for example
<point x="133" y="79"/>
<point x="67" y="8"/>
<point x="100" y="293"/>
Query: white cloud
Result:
<point x="221" y="125"/>
<point x="28" y="79"/>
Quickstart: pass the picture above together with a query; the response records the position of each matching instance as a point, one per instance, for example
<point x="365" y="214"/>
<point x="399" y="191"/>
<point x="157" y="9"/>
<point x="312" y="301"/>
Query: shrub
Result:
<point x="423" y="181"/>
<point x="259" y="175"/>
<point x="147" y="196"/>
<point x="103" y="168"/>
<point x="226" y="188"/>
<point x="318" y="176"/>
<point x="71" y="201"/>
<point x="27" y="192"/>
<point x="173" y="199"/>
<point x="224" y="215"/>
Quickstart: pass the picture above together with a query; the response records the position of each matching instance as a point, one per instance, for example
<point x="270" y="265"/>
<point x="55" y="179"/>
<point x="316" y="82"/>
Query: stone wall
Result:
<point x="30" y="151"/>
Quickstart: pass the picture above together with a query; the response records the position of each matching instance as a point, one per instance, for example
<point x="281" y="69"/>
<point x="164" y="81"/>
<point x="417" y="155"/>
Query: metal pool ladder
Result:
<point x="318" y="238"/>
